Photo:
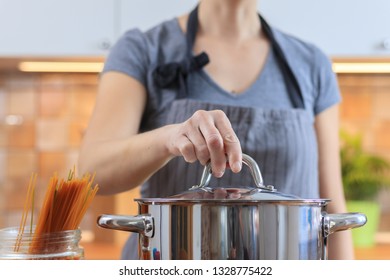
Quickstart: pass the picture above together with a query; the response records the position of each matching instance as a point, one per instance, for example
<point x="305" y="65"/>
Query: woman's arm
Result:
<point x="331" y="187"/>
<point x="108" y="148"/>
<point x="122" y="158"/>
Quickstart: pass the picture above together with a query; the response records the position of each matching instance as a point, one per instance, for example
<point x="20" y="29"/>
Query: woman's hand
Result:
<point x="207" y="136"/>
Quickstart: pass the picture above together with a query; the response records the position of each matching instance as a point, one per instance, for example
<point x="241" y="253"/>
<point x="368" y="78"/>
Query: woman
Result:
<point x="208" y="86"/>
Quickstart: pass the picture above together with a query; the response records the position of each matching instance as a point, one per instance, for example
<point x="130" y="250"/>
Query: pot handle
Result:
<point x="338" y="222"/>
<point x="143" y="224"/>
<point x="248" y="161"/>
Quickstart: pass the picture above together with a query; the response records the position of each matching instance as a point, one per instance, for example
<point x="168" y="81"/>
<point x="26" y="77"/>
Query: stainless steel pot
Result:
<point x="241" y="223"/>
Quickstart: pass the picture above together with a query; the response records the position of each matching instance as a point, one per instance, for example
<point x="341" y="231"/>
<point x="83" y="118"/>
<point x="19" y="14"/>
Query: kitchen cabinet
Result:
<point x="88" y="28"/>
<point x="145" y="14"/>
<point x="348" y="28"/>
<point x="77" y="28"/>
<point x="57" y="28"/>
<point x="354" y="28"/>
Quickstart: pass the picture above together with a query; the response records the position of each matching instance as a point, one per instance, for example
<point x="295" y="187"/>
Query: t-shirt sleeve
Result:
<point x="327" y="85"/>
<point x="128" y="55"/>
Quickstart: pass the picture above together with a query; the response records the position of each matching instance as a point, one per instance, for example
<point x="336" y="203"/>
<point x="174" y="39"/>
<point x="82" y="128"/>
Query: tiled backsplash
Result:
<point x="51" y="111"/>
<point x="365" y="109"/>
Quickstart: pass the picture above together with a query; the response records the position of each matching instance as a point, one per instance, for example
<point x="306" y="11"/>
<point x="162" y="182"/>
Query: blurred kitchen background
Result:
<point x="44" y="112"/>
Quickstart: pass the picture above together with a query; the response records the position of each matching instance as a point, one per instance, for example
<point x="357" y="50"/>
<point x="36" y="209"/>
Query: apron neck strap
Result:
<point x="293" y="88"/>
<point x="192" y="28"/>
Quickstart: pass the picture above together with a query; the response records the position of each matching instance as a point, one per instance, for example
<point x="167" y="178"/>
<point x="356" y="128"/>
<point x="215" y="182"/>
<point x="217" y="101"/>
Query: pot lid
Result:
<point x="258" y="193"/>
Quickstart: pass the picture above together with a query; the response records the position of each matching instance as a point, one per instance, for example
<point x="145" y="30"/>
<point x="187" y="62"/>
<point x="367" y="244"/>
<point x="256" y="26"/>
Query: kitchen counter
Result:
<point x="106" y="251"/>
<point x="101" y="251"/>
<point x="378" y="252"/>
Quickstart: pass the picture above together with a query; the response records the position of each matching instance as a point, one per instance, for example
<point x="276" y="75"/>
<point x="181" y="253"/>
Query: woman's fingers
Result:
<point x="196" y="137"/>
<point x="216" y="149"/>
<point x="209" y="136"/>
<point x="220" y="139"/>
<point x="231" y="144"/>
<point x="186" y="149"/>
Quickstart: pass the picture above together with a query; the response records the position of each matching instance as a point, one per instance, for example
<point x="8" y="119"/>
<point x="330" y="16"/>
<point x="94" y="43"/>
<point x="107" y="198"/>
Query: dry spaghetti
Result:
<point x="64" y="206"/>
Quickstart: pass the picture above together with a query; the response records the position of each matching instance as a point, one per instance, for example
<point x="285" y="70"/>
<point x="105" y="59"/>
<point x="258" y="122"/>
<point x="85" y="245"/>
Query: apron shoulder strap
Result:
<point x="173" y="74"/>
<point x="293" y="88"/>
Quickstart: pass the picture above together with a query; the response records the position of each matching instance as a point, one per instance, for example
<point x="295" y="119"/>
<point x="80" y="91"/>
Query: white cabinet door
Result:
<point x="339" y="27"/>
<point x="145" y="14"/>
<point x="56" y="27"/>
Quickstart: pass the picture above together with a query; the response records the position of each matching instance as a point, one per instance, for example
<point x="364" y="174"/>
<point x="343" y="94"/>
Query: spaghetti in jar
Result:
<point x="62" y="245"/>
<point x="56" y="234"/>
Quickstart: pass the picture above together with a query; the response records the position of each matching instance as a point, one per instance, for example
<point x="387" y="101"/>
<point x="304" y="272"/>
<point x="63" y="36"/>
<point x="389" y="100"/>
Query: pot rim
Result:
<point x="170" y="201"/>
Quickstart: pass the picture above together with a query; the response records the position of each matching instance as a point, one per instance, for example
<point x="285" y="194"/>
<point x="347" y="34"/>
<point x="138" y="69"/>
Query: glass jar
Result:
<point x="62" y="245"/>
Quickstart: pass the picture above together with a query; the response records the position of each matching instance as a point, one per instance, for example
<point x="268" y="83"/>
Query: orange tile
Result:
<point x="22" y="101"/>
<point x="51" y="163"/>
<point x="15" y="198"/>
<point x="20" y="164"/>
<point x="53" y="102"/>
<point x="381" y="103"/>
<point x="57" y="80"/>
<point x="18" y="167"/>
<point x="21" y="136"/>
<point x="3" y="135"/>
<point x="382" y="135"/>
<point x="356" y="105"/>
<point x="82" y="102"/>
<point x="52" y="134"/>
<point x="84" y="79"/>
<point x="3" y="102"/>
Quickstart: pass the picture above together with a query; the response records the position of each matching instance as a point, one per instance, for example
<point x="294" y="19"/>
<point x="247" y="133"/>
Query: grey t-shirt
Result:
<point x="138" y="53"/>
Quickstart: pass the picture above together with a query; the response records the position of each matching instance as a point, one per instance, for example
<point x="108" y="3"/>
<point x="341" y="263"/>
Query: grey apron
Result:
<point x="282" y="142"/>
